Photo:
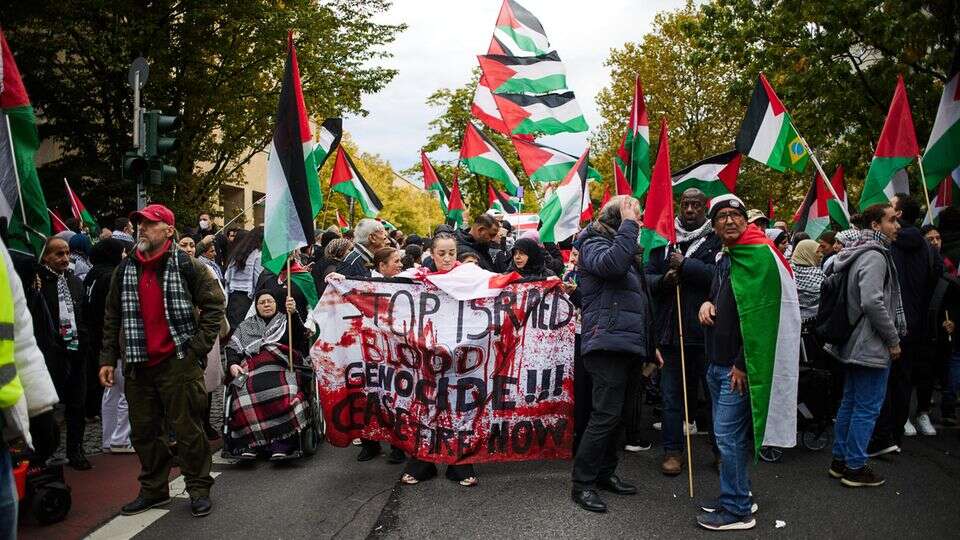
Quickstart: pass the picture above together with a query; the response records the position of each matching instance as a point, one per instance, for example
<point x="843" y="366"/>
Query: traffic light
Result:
<point x="158" y="143"/>
<point x="134" y="165"/>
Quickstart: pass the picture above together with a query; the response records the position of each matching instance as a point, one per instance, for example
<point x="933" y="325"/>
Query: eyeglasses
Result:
<point x="729" y="216"/>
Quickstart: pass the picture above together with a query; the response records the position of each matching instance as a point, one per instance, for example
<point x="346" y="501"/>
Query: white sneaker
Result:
<point x="925" y="425"/>
<point x="909" y="430"/>
<point x="658" y="426"/>
<point x="122" y="449"/>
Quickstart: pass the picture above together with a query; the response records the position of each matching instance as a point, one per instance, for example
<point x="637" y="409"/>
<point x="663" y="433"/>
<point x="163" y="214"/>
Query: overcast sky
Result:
<point x="439" y="48"/>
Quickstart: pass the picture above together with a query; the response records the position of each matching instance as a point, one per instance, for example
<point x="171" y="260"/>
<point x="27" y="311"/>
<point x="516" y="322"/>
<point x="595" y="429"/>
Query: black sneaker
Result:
<point x="638" y="445"/>
<point x="837" y="468"/>
<point x="79" y="462"/>
<point x="879" y="448"/>
<point x="396" y="456"/>
<point x="862" y="477"/>
<point x="142" y="504"/>
<point x="200" y="506"/>
<point x="368" y="452"/>
<point x="721" y="520"/>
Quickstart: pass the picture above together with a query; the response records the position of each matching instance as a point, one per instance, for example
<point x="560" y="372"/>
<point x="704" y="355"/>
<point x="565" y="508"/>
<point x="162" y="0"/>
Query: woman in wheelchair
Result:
<point x="268" y="408"/>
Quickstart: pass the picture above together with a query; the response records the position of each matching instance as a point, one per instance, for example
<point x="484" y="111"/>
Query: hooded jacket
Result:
<point x="467" y="243"/>
<point x="872" y="298"/>
<point x="617" y="313"/>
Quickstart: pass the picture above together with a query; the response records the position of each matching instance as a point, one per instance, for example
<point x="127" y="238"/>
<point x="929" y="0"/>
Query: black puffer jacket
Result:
<point x="617" y="312"/>
<point x="918" y="269"/>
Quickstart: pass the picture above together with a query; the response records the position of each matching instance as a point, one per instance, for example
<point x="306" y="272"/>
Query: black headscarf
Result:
<point x="536" y="257"/>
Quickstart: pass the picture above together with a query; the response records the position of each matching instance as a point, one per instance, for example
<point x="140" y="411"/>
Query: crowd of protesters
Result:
<point x="131" y="323"/>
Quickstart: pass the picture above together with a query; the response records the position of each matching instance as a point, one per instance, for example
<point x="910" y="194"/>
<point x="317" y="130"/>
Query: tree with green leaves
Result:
<point x="217" y="65"/>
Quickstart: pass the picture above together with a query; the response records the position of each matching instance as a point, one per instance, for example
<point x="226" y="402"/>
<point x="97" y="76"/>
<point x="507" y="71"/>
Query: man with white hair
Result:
<point x="368" y="237"/>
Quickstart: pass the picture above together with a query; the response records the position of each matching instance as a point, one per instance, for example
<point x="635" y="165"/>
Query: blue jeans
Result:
<point x="8" y="498"/>
<point x="671" y="385"/>
<point x="734" y="435"/>
<point x="864" y="389"/>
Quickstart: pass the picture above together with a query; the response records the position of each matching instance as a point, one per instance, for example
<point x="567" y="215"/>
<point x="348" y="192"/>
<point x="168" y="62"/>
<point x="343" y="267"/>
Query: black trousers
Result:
<point x="425" y="470"/>
<point x="582" y="395"/>
<point x="896" y="404"/>
<point x="69" y="375"/>
<point x="597" y="453"/>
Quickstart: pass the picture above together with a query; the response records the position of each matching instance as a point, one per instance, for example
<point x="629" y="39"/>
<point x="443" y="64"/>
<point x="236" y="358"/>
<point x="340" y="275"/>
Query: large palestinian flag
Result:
<point x="431" y="182"/>
<point x="896" y="148"/>
<point x="766" y="295"/>
<point x="547" y="114"/>
<point x="560" y="215"/>
<point x="659" y="228"/>
<point x="288" y="213"/>
<point x="518" y="32"/>
<point x="947" y="195"/>
<point x="632" y="159"/>
<point x="347" y="180"/>
<point x="543" y="163"/>
<point x="714" y="176"/>
<point x="767" y="133"/>
<point x="330" y="132"/>
<point x="539" y="74"/>
<point x="482" y="157"/>
<point x="21" y="198"/>
<point x="943" y="148"/>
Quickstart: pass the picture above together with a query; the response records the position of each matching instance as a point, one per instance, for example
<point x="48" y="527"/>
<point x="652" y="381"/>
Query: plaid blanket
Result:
<point x="269" y="406"/>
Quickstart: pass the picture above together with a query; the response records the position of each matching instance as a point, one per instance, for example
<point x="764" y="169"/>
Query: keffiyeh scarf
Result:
<point x="68" y="318"/>
<point x="696" y="237"/>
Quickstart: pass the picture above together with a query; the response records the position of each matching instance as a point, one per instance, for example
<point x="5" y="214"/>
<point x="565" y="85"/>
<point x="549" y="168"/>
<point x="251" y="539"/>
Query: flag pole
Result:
<point x="923" y="182"/>
<point x="289" y="320"/>
<point x="242" y="212"/>
<point x="826" y="179"/>
<point x="352" y="213"/>
<point x="16" y="176"/>
<point x="683" y="379"/>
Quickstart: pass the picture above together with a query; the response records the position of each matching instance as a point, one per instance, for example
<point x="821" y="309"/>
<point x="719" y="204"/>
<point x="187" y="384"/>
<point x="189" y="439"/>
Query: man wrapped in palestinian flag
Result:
<point x="752" y="320"/>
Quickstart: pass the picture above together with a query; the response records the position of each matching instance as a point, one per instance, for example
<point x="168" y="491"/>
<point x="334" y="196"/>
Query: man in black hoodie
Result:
<point x="478" y="238"/>
<point x="918" y="269"/>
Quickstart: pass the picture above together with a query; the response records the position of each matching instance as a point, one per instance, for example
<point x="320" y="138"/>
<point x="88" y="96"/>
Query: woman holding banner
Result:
<point x="444" y="253"/>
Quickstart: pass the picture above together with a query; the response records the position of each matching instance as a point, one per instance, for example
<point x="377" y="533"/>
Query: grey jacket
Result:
<point x="872" y="298"/>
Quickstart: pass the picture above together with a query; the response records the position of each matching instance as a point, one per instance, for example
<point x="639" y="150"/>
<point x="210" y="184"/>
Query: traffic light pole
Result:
<point x="137" y="120"/>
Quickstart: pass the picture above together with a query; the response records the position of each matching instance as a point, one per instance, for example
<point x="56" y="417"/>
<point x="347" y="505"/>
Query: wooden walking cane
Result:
<point x="289" y="320"/>
<point x="683" y="378"/>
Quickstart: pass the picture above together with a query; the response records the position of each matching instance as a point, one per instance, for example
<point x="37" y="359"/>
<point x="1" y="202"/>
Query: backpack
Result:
<point x="832" y="325"/>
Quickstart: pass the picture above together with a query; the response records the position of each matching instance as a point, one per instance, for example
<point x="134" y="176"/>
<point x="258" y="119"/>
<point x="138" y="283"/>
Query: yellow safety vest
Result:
<point x="10" y="387"/>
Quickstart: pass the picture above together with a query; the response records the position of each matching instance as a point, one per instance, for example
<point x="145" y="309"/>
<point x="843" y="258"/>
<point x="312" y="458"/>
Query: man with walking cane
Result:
<point x="753" y="344"/>
<point x="689" y="265"/>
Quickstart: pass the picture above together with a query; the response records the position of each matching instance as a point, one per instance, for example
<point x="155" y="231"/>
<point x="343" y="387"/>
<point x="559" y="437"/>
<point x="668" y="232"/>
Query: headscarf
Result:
<point x="108" y="252"/>
<point x="80" y="243"/>
<point x="805" y="254"/>
<point x="536" y="257"/>
<point x="531" y="235"/>
<point x="255" y="332"/>
<point x="775" y="235"/>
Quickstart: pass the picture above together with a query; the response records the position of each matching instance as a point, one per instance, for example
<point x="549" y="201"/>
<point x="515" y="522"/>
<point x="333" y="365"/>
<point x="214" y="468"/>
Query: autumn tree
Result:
<point x="217" y="65"/>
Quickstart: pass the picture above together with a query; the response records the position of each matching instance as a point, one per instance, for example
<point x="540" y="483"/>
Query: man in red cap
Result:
<point x="165" y="309"/>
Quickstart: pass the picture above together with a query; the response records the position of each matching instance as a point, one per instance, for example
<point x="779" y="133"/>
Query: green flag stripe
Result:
<point x="942" y="157"/>
<point x="491" y="169"/>
<point x="879" y="176"/>
<point x="551" y="126"/>
<point x="543" y="85"/>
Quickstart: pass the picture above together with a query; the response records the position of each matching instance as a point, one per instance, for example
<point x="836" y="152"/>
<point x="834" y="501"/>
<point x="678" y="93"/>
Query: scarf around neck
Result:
<point x="696" y="237"/>
<point x="68" y="318"/>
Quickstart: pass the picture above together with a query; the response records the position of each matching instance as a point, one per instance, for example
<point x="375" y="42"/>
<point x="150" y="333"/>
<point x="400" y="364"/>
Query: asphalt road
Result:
<point x="333" y="496"/>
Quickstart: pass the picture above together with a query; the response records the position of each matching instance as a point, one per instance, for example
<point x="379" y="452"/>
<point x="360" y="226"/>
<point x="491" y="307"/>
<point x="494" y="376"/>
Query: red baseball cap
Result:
<point x="154" y="212"/>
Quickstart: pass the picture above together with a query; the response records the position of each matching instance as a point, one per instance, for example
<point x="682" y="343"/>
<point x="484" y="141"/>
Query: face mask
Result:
<point x="204" y="224"/>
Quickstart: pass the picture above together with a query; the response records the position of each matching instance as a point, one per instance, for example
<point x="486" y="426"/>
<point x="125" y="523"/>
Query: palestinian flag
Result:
<point x="431" y="182"/>
<point x="766" y="296"/>
<point x="633" y="157"/>
<point x="947" y="195"/>
<point x="560" y="216"/>
<point x="21" y="198"/>
<point x="943" y="148"/>
<point x="387" y="225"/>
<point x="330" y="132"/>
<point x="348" y="181"/>
<point x="56" y="223"/>
<point x="587" y="213"/>
<point x="483" y="158"/>
<point x="838" y="208"/>
<point x="714" y="176"/>
<point x="500" y="201"/>
<point x="896" y="148"/>
<point x="79" y="211"/>
<point x="342" y="223"/>
<point x="620" y="179"/>
<point x="659" y="227"/>
<point x="518" y="32"/>
<point x="813" y="216"/>
<point x="767" y="133"/>
<point x="289" y="209"/>
<point x="606" y="197"/>
<point x="485" y="109"/>
<point x="543" y="163"/>
<point x="302" y="279"/>
<point x="455" y="208"/>
<point x="547" y="114"/>
<point x="523" y="222"/>
<point x="539" y="74"/>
